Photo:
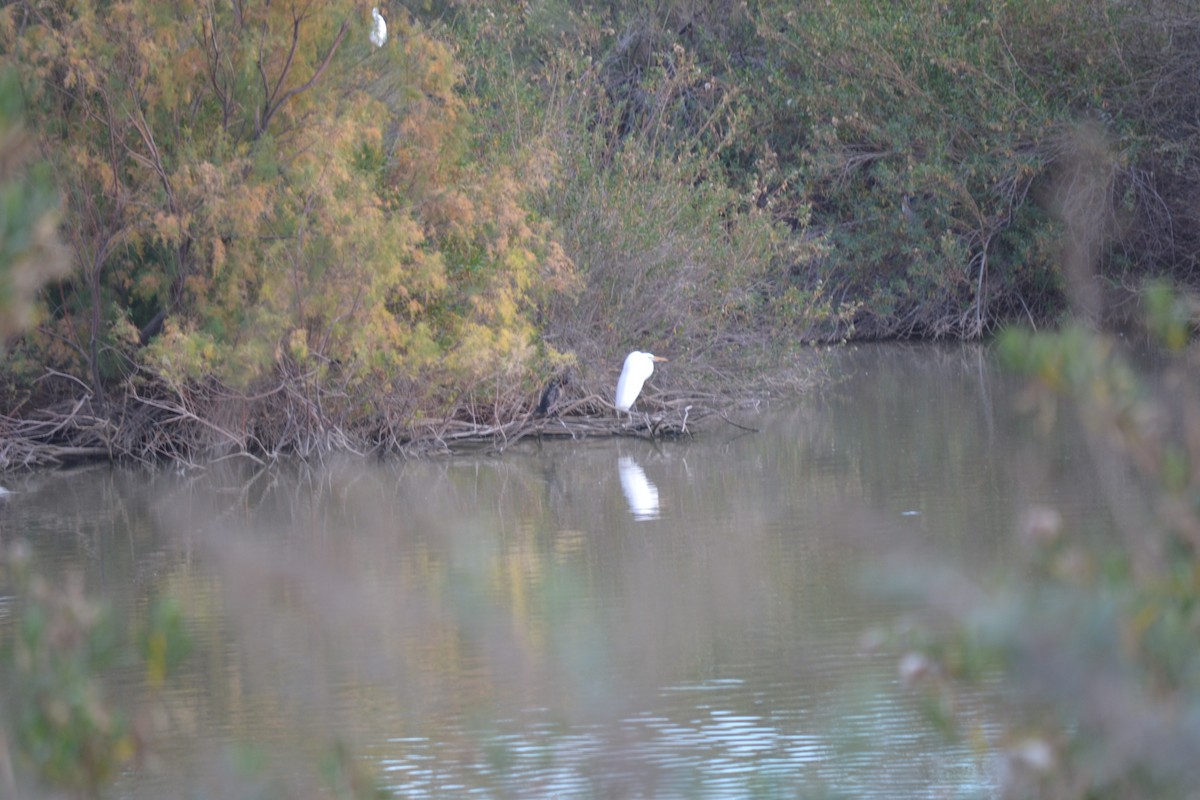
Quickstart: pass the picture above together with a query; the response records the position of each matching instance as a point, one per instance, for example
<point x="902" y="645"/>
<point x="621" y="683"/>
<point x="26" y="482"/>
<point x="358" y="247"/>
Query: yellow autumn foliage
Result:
<point x="256" y="190"/>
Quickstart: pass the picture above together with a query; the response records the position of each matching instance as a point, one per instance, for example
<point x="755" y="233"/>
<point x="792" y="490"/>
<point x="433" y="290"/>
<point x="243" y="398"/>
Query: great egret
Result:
<point x="379" y="29"/>
<point x="638" y="367"/>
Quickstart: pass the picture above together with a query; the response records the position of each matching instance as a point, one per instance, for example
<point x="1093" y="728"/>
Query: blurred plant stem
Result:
<point x="1094" y="636"/>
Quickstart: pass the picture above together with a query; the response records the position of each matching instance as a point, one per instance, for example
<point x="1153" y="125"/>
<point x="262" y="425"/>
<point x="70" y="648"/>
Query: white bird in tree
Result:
<point x="379" y="29"/>
<point x="638" y="367"/>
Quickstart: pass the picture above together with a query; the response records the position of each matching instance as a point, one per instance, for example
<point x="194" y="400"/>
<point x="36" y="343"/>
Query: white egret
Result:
<point x="379" y="29"/>
<point x="638" y="367"/>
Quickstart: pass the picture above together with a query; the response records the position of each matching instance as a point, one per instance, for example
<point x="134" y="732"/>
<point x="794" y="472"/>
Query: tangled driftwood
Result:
<point x="154" y="425"/>
<point x="576" y="420"/>
<point x="54" y="438"/>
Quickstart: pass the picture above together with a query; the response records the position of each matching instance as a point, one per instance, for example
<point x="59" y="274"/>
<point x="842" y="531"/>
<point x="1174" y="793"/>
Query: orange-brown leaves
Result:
<point x="285" y="194"/>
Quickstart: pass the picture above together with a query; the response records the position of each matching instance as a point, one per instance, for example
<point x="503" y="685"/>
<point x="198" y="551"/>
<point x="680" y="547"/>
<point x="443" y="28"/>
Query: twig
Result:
<point x="725" y="417"/>
<point x="53" y="373"/>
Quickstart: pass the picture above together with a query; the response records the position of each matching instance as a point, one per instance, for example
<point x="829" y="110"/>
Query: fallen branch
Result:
<point x="725" y="417"/>
<point x="154" y="422"/>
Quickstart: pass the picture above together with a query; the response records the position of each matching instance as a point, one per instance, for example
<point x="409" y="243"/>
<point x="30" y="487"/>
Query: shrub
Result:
<point x="1088" y="643"/>
<point x="260" y="194"/>
<point x="931" y="140"/>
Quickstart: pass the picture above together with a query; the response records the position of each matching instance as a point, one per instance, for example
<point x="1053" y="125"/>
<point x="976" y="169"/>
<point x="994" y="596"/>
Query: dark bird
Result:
<point x="547" y="405"/>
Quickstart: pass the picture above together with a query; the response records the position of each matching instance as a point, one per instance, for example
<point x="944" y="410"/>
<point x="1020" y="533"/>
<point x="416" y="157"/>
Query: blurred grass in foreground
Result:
<point x="1091" y="643"/>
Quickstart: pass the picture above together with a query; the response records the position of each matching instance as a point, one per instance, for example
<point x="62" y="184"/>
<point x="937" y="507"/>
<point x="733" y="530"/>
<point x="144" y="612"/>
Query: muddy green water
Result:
<point x="587" y="619"/>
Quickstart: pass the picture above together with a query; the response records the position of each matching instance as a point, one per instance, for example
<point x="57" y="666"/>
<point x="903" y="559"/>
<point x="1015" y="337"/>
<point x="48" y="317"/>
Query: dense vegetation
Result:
<point x="245" y="218"/>
<point x="931" y="169"/>
<point x="292" y="237"/>
<point x="1087" y="645"/>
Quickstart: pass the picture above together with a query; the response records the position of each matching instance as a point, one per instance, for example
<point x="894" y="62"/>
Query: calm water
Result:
<point x="588" y="619"/>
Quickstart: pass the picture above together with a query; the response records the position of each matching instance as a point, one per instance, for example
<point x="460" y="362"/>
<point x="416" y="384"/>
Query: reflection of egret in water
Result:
<point x="640" y="493"/>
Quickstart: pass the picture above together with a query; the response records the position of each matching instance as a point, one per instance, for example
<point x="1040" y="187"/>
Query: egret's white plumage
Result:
<point x="638" y="367"/>
<point x="379" y="29"/>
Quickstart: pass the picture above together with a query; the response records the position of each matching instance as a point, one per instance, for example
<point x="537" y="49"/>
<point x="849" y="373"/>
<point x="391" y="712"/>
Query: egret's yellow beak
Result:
<point x="658" y="358"/>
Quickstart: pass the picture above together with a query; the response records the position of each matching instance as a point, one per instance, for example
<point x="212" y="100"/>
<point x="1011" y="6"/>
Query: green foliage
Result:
<point x="348" y="776"/>
<point x="60" y="657"/>
<point x="1073" y="359"/>
<point x="55" y="705"/>
<point x="164" y="642"/>
<point x="924" y="157"/>
<point x="1170" y="318"/>
<point x="1093" y="637"/>
<point x="30" y="251"/>
<point x="633" y="120"/>
<point x="937" y="147"/>
<point x="923" y="160"/>
<point x="901" y="117"/>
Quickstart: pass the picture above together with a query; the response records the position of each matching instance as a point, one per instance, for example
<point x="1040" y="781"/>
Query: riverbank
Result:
<point x="433" y="227"/>
<point x="149" y="423"/>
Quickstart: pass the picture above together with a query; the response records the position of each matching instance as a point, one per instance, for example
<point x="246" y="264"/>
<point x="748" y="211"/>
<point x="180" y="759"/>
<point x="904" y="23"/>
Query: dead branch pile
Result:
<point x="577" y="420"/>
<point x="152" y="423"/>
